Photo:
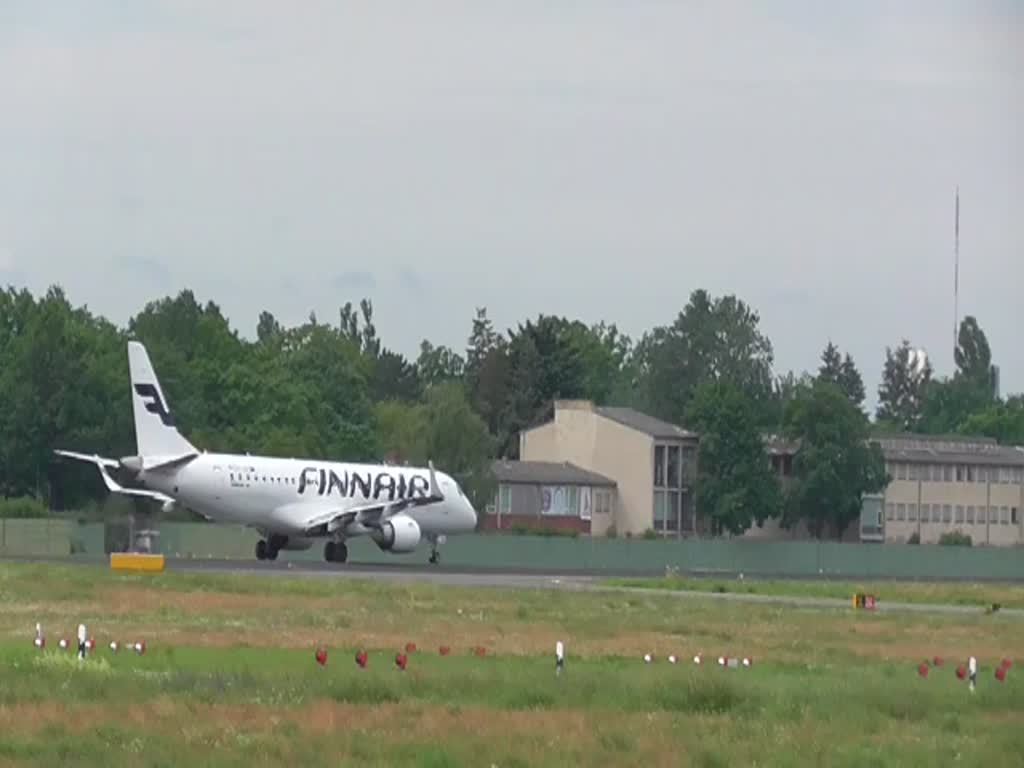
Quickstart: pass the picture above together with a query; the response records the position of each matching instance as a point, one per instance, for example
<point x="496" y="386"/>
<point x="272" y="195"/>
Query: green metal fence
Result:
<point x="503" y="551"/>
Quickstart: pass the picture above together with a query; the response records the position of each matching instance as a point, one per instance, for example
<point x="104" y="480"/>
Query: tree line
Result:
<point x="332" y="389"/>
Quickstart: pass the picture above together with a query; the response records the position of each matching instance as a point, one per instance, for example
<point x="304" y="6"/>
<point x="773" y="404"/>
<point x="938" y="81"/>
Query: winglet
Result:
<point x="435" y="489"/>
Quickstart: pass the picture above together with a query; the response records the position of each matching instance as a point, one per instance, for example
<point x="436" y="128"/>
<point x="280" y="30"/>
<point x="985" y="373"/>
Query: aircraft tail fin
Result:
<point x="155" y="432"/>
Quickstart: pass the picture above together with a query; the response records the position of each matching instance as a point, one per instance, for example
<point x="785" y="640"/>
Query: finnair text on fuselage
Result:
<point x="389" y="485"/>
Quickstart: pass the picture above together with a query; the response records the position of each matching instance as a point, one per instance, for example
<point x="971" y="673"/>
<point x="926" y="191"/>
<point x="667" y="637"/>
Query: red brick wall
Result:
<point x="490" y="522"/>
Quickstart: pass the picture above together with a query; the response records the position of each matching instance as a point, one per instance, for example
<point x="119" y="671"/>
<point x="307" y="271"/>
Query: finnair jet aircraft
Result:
<point x="292" y="502"/>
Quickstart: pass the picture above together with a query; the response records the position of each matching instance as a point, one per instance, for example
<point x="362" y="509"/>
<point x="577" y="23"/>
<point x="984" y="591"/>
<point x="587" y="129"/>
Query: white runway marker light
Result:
<point x="559" y="657"/>
<point x="81" y="641"/>
<point x="113" y="645"/>
<point x="63" y="643"/>
<point x="671" y="659"/>
<point x="972" y="671"/>
<point x="647" y="658"/>
<point x="40" y="640"/>
<point x="698" y="659"/>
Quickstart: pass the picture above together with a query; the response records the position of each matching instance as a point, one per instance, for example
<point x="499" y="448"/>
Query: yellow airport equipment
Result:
<point x="860" y="600"/>
<point x="136" y="561"/>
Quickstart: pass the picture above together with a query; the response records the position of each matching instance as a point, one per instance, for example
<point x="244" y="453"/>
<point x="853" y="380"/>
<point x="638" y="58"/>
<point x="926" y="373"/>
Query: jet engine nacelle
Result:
<point x="398" y="534"/>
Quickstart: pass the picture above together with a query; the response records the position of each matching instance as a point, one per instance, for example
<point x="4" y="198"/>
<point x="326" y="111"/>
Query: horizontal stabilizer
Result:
<point x="92" y="458"/>
<point x="103" y="464"/>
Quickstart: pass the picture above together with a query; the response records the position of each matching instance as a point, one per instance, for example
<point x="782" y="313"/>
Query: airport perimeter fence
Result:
<point x="490" y="551"/>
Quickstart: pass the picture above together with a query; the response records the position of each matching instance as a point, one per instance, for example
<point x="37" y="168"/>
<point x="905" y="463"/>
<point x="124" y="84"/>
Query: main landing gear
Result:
<point x="265" y="551"/>
<point x="335" y="552"/>
<point x="435" y="553"/>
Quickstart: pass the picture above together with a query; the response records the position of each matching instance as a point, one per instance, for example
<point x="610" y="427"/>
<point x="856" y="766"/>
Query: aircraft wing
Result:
<point x="369" y="514"/>
<point x="113" y="486"/>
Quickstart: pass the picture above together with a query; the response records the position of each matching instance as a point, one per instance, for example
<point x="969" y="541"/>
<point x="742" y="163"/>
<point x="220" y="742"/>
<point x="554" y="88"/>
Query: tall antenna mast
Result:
<point x="956" y="272"/>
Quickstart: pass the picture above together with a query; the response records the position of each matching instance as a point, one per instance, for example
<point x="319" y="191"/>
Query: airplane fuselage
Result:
<point x="280" y="495"/>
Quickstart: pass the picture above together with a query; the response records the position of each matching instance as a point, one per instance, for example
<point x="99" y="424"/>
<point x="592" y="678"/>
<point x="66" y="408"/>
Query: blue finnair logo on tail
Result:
<point x="155" y="403"/>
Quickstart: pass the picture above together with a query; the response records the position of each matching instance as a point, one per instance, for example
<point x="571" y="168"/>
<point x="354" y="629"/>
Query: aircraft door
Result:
<point x="220" y="482"/>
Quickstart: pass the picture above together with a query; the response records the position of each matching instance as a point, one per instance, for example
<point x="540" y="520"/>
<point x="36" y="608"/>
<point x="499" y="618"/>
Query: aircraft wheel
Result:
<point x="261" y="550"/>
<point x="335" y="552"/>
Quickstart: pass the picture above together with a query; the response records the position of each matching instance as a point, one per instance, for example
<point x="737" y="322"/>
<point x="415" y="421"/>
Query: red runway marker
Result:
<point x="410" y="647"/>
<point x="445" y="650"/>
<point x="401" y="660"/>
<point x="362" y="658"/>
<point x="961" y="672"/>
<point x="321" y="656"/>
<point x="922" y="670"/>
<point x="1001" y="674"/>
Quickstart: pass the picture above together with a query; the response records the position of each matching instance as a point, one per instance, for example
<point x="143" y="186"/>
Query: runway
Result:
<point x="515" y="579"/>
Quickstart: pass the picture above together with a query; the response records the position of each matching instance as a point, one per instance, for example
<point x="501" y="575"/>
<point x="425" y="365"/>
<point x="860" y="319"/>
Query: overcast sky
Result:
<point x="596" y="159"/>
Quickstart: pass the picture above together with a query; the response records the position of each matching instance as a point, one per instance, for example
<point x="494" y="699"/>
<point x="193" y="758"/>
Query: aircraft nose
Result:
<point x="471" y="515"/>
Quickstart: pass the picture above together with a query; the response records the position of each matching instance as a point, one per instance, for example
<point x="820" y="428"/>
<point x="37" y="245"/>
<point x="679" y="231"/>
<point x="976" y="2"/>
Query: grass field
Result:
<point x="229" y="677"/>
<point x="942" y="593"/>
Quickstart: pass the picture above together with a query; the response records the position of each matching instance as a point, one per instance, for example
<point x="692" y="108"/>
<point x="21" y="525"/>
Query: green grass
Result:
<point x="980" y="595"/>
<point x="229" y="677"/>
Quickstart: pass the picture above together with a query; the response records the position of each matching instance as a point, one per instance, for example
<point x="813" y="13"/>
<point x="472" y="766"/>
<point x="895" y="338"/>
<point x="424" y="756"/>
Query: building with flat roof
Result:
<point x="652" y="463"/>
<point x="939" y="484"/>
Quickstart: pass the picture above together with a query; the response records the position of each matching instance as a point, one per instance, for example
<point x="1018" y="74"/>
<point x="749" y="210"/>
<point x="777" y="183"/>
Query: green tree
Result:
<point x="402" y="431"/>
<point x="835" y="465"/>
<point x="1003" y="421"/>
<point x="710" y="340"/>
<point x="831" y="364"/>
<point x="972" y="354"/>
<point x="737" y="485"/>
<point x="901" y="394"/>
<point x="851" y="382"/>
<point x="486" y="372"/>
<point x="457" y="439"/>
<point x="436" y="365"/>
<point x="842" y="372"/>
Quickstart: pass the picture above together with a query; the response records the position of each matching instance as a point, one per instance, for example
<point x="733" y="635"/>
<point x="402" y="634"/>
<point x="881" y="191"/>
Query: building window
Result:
<point x="1013" y="515"/>
<point x="890" y="512"/>
<point x="1018" y="475"/>
<point x="970" y="515"/>
<point x="1004" y="515"/>
<point x="901" y="471"/>
<point x="912" y="512"/>
<point x="602" y="502"/>
<point x="660" y="510"/>
<point x="947" y="473"/>
<point x="982" y="474"/>
<point x="901" y="512"/>
<point x="675" y="466"/>
<point x="959" y="513"/>
<point x="505" y="499"/>
<point x="926" y="513"/>
<point x="960" y="473"/>
<point x="993" y="515"/>
<point x="659" y="466"/>
<point x="947" y="513"/>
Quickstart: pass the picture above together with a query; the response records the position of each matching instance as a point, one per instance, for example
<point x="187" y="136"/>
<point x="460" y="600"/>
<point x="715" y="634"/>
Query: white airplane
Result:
<point x="292" y="502"/>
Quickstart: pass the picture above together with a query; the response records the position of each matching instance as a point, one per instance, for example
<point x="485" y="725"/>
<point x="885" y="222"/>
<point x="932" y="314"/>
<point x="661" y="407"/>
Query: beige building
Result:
<point x="652" y="463"/>
<point x="942" y="485"/>
<point x="970" y="485"/>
